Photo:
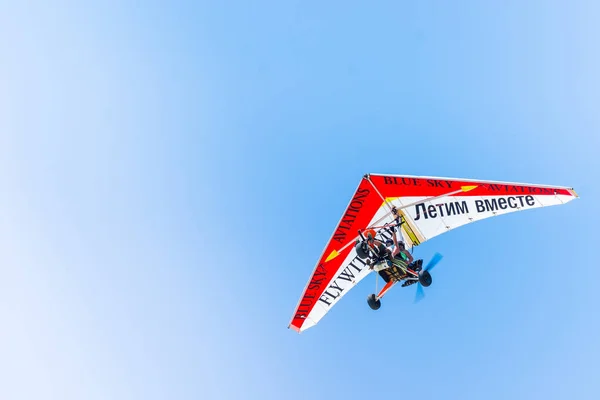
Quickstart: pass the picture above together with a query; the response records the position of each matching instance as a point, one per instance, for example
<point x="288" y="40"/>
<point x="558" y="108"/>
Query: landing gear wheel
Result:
<point x="362" y="250"/>
<point x="374" y="302"/>
<point x="425" y="278"/>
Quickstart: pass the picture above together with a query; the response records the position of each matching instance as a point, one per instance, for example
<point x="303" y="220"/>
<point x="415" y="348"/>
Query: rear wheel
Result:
<point x="425" y="278"/>
<point x="373" y="302"/>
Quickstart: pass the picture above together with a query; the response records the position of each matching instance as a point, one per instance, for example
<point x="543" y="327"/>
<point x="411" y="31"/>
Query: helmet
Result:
<point x="370" y="234"/>
<point x="362" y="250"/>
<point x="389" y="242"/>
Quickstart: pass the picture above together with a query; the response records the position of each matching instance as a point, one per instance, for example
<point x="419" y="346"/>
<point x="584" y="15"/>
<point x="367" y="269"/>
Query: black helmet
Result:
<point x="362" y="249"/>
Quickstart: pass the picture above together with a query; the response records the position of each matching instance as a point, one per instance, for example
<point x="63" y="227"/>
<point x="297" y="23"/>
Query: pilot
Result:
<point x="375" y="245"/>
<point x="398" y="250"/>
<point x="393" y="251"/>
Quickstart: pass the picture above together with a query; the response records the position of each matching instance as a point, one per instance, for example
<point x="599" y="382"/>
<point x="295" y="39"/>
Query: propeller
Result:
<point x="433" y="262"/>
<point x="420" y="294"/>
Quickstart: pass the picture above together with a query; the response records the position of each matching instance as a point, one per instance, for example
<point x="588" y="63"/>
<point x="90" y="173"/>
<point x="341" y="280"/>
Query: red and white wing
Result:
<point x="430" y="206"/>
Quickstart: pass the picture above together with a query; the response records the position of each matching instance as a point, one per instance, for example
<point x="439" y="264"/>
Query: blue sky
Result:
<point x="170" y="174"/>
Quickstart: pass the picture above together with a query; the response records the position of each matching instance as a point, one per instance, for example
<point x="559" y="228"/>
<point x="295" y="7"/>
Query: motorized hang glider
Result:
<point x="416" y="208"/>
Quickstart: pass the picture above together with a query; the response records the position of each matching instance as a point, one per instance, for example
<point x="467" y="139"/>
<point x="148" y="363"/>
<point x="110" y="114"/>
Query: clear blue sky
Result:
<point x="171" y="171"/>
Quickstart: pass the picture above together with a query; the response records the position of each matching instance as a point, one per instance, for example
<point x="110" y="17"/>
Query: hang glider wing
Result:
<point x="429" y="207"/>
